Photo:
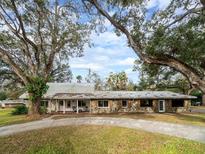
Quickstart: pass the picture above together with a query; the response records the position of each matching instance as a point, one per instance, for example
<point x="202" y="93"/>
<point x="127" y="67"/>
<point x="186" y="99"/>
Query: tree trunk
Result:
<point x="34" y="106"/>
<point x="203" y="99"/>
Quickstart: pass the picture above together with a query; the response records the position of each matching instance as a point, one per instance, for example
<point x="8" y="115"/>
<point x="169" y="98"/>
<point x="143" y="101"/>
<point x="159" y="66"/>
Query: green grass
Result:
<point x="96" y="140"/>
<point x="7" y="118"/>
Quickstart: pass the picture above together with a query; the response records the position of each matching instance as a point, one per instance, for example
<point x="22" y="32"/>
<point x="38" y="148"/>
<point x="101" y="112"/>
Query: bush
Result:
<point x="22" y="109"/>
<point x="43" y="110"/>
<point x="3" y="96"/>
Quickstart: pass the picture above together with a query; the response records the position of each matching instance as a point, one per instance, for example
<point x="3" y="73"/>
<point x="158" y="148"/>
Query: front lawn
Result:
<point x="6" y="118"/>
<point x="180" y="118"/>
<point x="96" y="140"/>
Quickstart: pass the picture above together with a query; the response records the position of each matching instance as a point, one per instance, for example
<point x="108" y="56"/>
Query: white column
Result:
<point x="77" y="107"/>
<point x="56" y="106"/>
<point x="63" y="106"/>
<point x="90" y="106"/>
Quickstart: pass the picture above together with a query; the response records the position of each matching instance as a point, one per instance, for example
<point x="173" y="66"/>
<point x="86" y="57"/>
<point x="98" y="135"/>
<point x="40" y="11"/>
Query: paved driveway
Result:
<point x="184" y="131"/>
<point x="198" y="110"/>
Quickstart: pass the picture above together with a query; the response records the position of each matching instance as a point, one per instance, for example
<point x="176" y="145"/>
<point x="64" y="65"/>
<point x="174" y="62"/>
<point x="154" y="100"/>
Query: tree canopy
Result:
<point x="172" y="36"/>
<point x="38" y="37"/>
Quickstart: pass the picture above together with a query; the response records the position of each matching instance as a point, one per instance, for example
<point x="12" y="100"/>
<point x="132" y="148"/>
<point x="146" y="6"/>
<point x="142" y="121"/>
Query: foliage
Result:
<point x="3" y="96"/>
<point x="79" y="78"/>
<point x="117" y="81"/>
<point x="37" y="88"/>
<point x="61" y="73"/>
<point x="170" y="36"/>
<point x="21" y="109"/>
<point x="154" y="77"/>
<point x="43" y="110"/>
<point x="38" y="37"/>
<point x="93" y="77"/>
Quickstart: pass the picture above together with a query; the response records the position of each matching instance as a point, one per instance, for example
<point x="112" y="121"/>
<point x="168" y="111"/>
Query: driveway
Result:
<point x="198" y="110"/>
<point x="196" y="133"/>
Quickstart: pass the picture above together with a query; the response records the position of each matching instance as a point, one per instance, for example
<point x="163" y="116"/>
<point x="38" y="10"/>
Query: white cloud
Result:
<point x="128" y="61"/>
<point x="92" y="66"/>
<point x="161" y="4"/>
<point x="110" y="53"/>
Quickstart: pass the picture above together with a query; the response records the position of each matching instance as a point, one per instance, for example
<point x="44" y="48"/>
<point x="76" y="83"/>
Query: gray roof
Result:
<point x="55" y="88"/>
<point x="124" y="95"/>
<point x="86" y="91"/>
<point x="13" y="102"/>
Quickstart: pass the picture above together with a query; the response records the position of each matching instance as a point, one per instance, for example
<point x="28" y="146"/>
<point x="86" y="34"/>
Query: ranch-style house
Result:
<point x="73" y="97"/>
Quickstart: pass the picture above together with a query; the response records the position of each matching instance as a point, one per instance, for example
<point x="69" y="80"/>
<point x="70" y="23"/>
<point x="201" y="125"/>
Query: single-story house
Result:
<point x="11" y="103"/>
<point x="72" y="97"/>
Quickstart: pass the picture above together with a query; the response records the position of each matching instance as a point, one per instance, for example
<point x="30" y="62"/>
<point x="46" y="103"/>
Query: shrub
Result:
<point x="43" y="110"/>
<point x="22" y="109"/>
<point x="3" y="96"/>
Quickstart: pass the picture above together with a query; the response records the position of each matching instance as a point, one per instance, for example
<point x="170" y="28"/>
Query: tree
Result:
<point x="166" y="37"/>
<point x="155" y="77"/>
<point x="3" y="95"/>
<point x="93" y="77"/>
<point x="35" y="36"/>
<point x="117" y="81"/>
<point x="79" y="78"/>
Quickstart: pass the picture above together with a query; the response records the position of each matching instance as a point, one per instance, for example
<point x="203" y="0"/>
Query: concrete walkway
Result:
<point x="184" y="131"/>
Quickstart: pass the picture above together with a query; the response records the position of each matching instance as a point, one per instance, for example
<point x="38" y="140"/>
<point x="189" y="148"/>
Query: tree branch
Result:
<point x="194" y="10"/>
<point x="165" y="60"/>
<point x="8" y="60"/>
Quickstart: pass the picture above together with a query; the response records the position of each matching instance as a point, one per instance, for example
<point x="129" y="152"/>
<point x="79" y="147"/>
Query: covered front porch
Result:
<point x="66" y="105"/>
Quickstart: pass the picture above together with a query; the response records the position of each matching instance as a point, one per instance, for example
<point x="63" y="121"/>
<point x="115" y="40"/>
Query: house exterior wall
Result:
<point x="114" y="106"/>
<point x="134" y="106"/>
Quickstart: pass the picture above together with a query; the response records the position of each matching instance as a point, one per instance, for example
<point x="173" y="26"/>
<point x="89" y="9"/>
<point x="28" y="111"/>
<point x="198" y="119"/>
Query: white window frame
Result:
<point x="103" y="104"/>
<point x="126" y="104"/>
<point x="163" y="106"/>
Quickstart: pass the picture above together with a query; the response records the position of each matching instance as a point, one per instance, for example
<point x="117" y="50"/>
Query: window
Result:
<point x="146" y="103"/>
<point x="102" y="103"/>
<point x="177" y="103"/>
<point x="81" y="103"/>
<point x="124" y="103"/>
<point x="44" y="103"/>
<point x="68" y="104"/>
<point x="61" y="103"/>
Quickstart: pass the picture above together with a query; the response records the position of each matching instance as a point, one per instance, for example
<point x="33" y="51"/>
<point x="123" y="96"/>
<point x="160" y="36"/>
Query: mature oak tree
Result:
<point x="172" y="37"/>
<point x="36" y="38"/>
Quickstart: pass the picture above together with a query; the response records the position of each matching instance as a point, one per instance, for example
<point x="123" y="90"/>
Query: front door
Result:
<point x="161" y="105"/>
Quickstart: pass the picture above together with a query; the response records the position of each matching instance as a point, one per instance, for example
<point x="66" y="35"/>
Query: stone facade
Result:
<point x="134" y="106"/>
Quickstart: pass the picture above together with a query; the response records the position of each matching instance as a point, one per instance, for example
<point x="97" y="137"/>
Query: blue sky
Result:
<point x="110" y="52"/>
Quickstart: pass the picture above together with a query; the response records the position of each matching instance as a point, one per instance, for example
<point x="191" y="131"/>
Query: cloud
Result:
<point x="128" y="61"/>
<point x="109" y="53"/>
<point x="160" y="4"/>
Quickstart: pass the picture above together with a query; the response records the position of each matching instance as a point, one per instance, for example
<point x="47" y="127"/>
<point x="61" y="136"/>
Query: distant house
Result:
<point x="68" y="97"/>
<point x="11" y="103"/>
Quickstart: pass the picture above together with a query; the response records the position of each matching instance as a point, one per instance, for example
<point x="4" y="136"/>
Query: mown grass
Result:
<point x="180" y="118"/>
<point x="96" y="140"/>
<point x="6" y="118"/>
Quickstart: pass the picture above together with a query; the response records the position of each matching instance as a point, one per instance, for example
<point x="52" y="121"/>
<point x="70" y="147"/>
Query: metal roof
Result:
<point x="55" y="88"/>
<point x="124" y="95"/>
<point x="86" y="91"/>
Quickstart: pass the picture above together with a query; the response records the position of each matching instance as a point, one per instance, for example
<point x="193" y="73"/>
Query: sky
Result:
<point x="109" y="52"/>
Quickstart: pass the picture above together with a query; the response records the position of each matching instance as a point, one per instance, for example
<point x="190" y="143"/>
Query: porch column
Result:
<point x="63" y="106"/>
<point x="90" y="106"/>
<point x="77" y="107"/>
<point x="56" y="106"/>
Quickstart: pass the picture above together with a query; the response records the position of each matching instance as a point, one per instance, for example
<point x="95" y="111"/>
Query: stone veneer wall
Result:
<point x="116" y="106"/>
<point x="134" y="106"/>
